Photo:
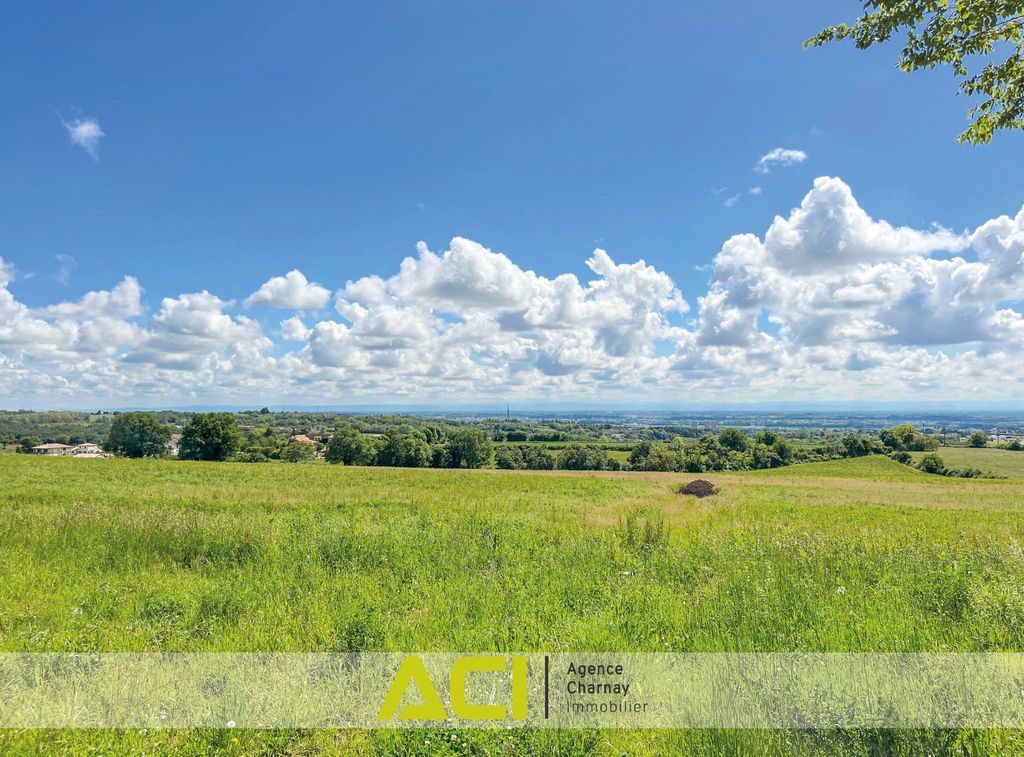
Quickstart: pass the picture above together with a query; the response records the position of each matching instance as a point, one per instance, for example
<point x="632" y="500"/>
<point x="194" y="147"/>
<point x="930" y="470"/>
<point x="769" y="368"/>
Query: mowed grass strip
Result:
<point x="866" y="555"/>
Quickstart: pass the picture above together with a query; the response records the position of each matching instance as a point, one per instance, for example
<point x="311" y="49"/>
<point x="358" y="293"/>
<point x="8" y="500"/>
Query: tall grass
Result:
<point x="859" y="555"/>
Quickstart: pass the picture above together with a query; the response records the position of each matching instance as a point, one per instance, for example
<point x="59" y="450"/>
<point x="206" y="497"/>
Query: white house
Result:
<point x="52" y="449"/>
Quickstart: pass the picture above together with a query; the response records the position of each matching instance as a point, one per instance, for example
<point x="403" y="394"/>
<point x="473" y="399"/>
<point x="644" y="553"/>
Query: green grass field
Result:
<point x="998" y="462"/>
<point x="118" y="555"/>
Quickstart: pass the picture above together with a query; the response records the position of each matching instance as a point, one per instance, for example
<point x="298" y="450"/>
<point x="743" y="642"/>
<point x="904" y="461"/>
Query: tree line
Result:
<point x="218" y="437"/>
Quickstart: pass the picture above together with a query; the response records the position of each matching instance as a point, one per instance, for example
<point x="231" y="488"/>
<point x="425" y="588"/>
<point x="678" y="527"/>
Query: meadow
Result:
<point x="853" y="555"/>
<point x="990" y="460"/>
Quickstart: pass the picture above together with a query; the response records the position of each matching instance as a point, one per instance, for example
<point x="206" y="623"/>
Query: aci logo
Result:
<point x="432" y="708"/>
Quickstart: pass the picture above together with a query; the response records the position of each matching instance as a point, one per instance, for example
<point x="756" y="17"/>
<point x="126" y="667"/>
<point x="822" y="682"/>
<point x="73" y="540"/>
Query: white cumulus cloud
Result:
<point x="829" y="302"/>
<point x="294" y="330"/>
<point x="292" y="291"/>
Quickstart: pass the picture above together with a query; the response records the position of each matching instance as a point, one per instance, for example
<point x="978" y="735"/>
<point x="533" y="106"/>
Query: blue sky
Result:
<point x="244" y="140"/>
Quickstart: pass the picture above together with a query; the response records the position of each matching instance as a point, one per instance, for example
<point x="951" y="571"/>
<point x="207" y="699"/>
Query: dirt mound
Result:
<point x="699" y="488"/>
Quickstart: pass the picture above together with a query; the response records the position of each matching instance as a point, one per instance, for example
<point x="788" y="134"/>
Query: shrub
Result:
<point x="966" y="473"/>
<point x="932" y="463"/>
<point x="901" y="456"/>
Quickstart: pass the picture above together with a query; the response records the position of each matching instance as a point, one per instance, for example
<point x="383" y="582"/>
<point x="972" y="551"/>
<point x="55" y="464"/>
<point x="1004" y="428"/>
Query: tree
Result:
<point x="469" y="448"/>
<point x="648" y="456"/>
<point x="734" y="439"/>
<point x="210" y="436"/>
<point x="297" y="452"/>
<point x="583" y="457"/>
<point x="537" y="458"/>
<point x="898" y="437"/>
<point x="978" y="439"/>
<point x="137" y="435"/>
<point x="260" y="445"/>
<point x="508" y="458"/>
<point x="906" y="437"/>
<point x="403" y="450"/>
<point x="439" y="456"/>
<point x="783" y="451"/>
<point x="434" y="434"/>
<point x="855" y="445"/>
<point x="956" y="34"/>
<point x="349" y="447"/>
<point x="28" y="442"/>
<point x="763" y="456"/>
<point x="640" y="452"/>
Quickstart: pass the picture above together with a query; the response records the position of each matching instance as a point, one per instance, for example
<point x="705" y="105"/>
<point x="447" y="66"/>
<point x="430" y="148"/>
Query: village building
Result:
<point x="173" y="444"/>
<point x="52" y="449"/>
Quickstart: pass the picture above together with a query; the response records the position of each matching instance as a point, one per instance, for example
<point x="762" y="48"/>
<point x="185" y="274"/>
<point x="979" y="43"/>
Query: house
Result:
<point x="86" y="448"/>
<point x="301" y="438"/>
<point x="52" y="449"/>
<point x="174" y="444"/>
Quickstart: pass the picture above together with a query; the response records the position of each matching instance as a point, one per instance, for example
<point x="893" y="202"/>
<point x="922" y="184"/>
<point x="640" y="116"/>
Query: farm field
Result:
<point x="855" y="555"/>
<point x="999" y="462"/>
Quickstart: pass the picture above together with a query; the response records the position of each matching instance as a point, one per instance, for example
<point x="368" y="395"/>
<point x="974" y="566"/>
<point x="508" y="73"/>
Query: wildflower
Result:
<point x="231" y="724"/>
<point x="840" y="589"/>
<point x="234" y="739"/>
